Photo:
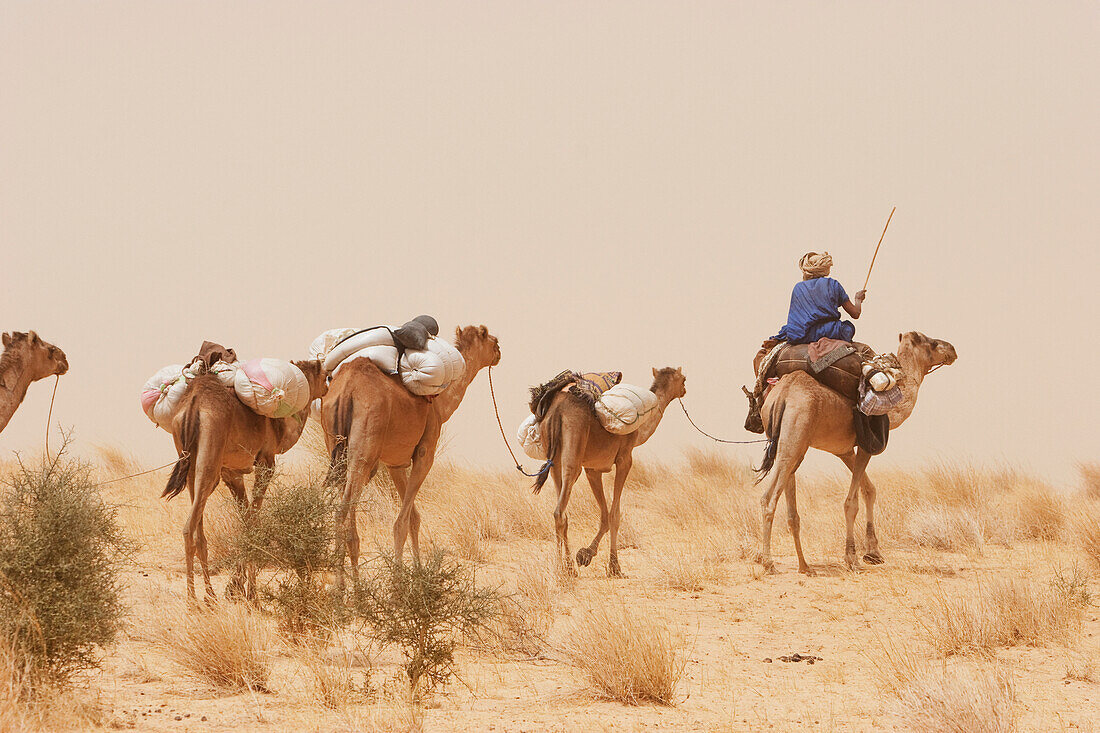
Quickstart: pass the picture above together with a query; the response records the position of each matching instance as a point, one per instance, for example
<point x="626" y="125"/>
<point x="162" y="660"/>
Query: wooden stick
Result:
<point x="877" y="246"/>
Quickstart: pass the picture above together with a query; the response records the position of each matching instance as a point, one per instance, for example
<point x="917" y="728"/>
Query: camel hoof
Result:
<point x="584" y="557"/>
<point x="769" y="568"/>
<point x="568" y="570"/>
<point x="873" y="558"/>
<point x="614" y="571"/>
<point x="807" y="570"/>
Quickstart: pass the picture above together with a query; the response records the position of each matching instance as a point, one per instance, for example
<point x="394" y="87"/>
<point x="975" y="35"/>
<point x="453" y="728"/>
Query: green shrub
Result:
<point x="59" y="555"/>
<point x="294" y="534"/>
<point x="424" y="608"/>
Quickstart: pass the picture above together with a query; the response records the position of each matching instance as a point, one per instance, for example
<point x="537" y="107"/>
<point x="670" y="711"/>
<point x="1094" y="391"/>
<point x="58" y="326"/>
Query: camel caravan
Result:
<point x="383" y="393"/>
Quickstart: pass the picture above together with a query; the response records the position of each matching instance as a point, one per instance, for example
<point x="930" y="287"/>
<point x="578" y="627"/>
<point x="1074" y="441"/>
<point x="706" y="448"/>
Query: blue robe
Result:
<point x="815" y="313"/>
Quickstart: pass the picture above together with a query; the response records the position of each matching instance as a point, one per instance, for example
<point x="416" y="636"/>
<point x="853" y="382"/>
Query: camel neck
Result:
<point x="914" y="369"/>
<point x="649" y="425"/>
<point x="449" y="399"/>
<point x="14" y="383"/>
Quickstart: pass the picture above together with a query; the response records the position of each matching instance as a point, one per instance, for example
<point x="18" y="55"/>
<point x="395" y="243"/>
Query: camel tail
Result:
<point x="552" y="421"/>
<point x="189" y="438"/>
<point x="339" y="429"/>
<point x="772" y="434"/>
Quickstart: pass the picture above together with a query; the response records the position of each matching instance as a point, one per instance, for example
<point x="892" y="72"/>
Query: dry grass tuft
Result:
<point x="227" y="647"/>
<point x="945" y="528"/>
<point x="1042" y="514"/>
<point x="527" y="611"/>
<point x="629" y="656"/>
<point x="334" y="683"/>
<point x="960" y="701"/>
<point x="1090" y="479"/>
<point x="1006" y="612"/>
<point x="1086" y="528"/>
<point x="692" y="568"/>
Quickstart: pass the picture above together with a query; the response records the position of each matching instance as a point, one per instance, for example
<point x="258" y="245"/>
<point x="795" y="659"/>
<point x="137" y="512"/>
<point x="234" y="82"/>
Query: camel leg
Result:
<point x="423" y="458"/>
<point x="360" y="468"/>
<point x="595" y="480"/>
<point x="794" y="441"/>
<point x="235" y="481"/>
<point x="202" y="485"/>
<point x="401" y="483"/>
<point x="851" y="509"/>
<point x="794" y="525"/>
<point x="565" y="480"/>
<point x="622" y="469"/>
<point x="873" y="556"/>
<point x="768" y="503"/>
<point x="265" y="471"/>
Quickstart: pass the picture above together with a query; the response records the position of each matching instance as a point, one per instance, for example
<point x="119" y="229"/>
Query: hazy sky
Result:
<point x="614" y="185"/>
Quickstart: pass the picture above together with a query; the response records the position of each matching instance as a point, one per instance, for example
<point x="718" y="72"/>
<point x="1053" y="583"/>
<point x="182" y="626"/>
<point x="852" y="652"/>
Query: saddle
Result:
<point x="587" y="386"/>
<point x="837" y="365"/>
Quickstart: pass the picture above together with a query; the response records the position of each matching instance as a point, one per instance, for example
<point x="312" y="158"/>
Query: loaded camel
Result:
<point x="800" y="413"/>
<point x="370" y="418"/>
<point x="217" y="435"/>
<point x="575" y="439"/>
<point x="26" y="358"/>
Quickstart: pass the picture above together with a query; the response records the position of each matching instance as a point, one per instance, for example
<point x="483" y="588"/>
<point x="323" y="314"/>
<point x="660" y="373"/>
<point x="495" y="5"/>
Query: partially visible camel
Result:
<point x="26" y="359"/>
<point x="575" y="439"/>
<point x="217" y="435"/>
<point x="800" y="413"/>
<point x="370" y="418"/>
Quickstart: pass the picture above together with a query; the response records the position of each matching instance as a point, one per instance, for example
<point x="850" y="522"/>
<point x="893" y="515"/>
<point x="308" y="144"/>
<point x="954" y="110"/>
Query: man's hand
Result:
<point x="860" y="297"/>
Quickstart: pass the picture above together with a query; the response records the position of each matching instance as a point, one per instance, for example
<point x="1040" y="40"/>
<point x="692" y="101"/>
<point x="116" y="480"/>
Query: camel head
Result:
<point x="40" y="358"/>
<point x="670" y="382"/>
<point x="477" y="345"/>
<point x="929" y="353"/>
<point x="315" y="375"/>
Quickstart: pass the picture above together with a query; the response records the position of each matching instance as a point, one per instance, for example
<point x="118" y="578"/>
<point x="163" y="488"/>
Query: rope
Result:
<point x="717" y="440"/>
<point x="49" y="416"/>
<point x="142" y="473"/>
<point x="500" y="425"/>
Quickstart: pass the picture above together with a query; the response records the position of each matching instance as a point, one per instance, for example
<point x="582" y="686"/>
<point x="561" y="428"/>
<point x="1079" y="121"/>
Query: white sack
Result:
<point x="429" y="372"/>
<point x="530" y="437"/>
<point x="272" y="387"/>
<point x="384" y="357"/>
<point x="161" y="395"/>
<point x="621" y="408"/>
<point x="323" y="344"/>
<point x="225" y="372"/>
<point x="358" y="342"/>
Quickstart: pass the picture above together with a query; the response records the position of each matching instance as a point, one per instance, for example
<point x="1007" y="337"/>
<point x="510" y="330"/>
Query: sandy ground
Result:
<point x="731" y="631"/>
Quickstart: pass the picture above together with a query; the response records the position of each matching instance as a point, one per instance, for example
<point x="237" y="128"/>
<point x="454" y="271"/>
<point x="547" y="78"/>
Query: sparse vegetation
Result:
<point x="60" y="551"/>
<point x="1005" y="612"/>
<point x="628" y="656"/>
<point x="227" y="647"/>
<point x="424" y="608"/>
<point x="977" y="700"/>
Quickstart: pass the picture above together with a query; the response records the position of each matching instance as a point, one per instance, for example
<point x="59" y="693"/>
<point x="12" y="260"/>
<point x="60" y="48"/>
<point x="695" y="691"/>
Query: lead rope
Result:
<point x="716" y="440"/>
<point x="49" y="416"/>
<point x="505" y="437"/>
<point x="142" y="473"/>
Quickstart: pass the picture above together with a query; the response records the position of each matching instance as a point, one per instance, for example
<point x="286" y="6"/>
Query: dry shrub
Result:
<point x="60" y="547"/>
<point x="424" y="608"/>
<point x="959" y="701"/>
<point x="944" y="528"/>
<point x="1086" y="528"/>
<point x="1090" y="479"/>
<point x="628" y="656"/>
<point x="227" y="647"/>
<point x="1006" y="612"/>
<point x="1042" y="514"/>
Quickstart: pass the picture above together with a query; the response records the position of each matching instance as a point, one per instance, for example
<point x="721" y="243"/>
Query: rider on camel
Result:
<point x="815" y="304"/>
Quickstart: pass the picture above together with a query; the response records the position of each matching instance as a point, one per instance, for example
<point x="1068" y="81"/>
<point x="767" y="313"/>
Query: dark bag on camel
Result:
<point x="872" y="432"/>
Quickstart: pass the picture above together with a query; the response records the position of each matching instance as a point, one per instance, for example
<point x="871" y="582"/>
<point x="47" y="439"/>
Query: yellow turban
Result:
<point x="816" y="265"/>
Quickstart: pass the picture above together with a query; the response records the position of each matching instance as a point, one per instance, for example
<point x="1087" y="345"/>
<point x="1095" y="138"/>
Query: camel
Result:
<point x="370" y="418"/>
<point x="26" y="358"/>
<point x="575" y="439"/>
<point x="800" y="413"/>
<point x="217" y="435"/>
